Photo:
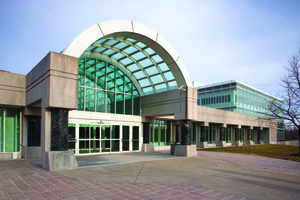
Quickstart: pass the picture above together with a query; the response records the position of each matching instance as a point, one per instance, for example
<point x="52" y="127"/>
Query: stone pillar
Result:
<point x="186" y="132"/>
<point x="177" y="132"/>
<point x="146" y="132"/>
<point x="54" y="140"/>
<point x="185" y="148"/>
<point x="147" y="146"/>
<point x="59" y="129"/>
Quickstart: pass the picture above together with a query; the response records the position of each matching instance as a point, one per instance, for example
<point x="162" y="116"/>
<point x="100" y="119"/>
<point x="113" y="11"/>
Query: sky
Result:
<point x="218" y="40"/>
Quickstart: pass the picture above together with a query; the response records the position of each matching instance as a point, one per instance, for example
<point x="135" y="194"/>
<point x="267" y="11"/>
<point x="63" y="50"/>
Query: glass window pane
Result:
<point x="80" y="98"/>
<point x="145" y="63"/>
<point x="139" y="75"/>
<point x="161" y="87"/>
<point x="81" y="72"/>
<point x="84" y="131"/>
<point x="125" y="138"/>
<point x="110" y="78"/>
<point x="140" y="44"/>
<point x="119" y="81"/>
<point x="105" y="132"/>
<point x="1" y="129"/>
<point x="111" y="42"/>
<point x="163" y="67"/>
<point x="12" y="130"/>
<point x="131" y="40"/>
<point x="115" y="132"/>
<point x="90" y="72"/>
<point x="120" y="103"/>
<point x="136" y="105"/>
<point x="128" y="104"/>
<point x="150" y="51"/>
<point x="173" y="85"/>
<point x="152" y="70"/>
<point x="148" y="90"/>
<point x="144" y="83"/>
<point x="110" y="102"/>
<point x="89" y="99"/>
<point x="100" y="74"/>
<point x="105" y="145"/>
<point x="71" y="138"/>
<point x="133" y="67"/>
<point x="162" y="133"/>
<point x="115" y="145"/>
<point x="95" y="146"/>
<point x="157" y="58"/>
<point x="126" y="61"/>
<point x="84" y="146"/>
<point x="135" y="91"/>
<point x="109" y="52"/>
<point x="100" y="49"/>
<point x="138" y="56"/>
<point x="100" y="107"/>
<point x="128" y="85"/>
<point x="157" y="79"/>
<point x="121" y="45"/>
<point x="135" y="138"/>
<point x="130" y="50"/>
<point x="118" y="56"/>
<point x="169" y="76"/>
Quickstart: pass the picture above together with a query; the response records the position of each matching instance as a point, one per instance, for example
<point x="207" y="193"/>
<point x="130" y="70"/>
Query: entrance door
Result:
<point x="125" y="138"/>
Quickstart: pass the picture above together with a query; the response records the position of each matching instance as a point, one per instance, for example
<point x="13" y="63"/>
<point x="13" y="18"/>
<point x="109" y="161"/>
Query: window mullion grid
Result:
<point x="84" y="86"/>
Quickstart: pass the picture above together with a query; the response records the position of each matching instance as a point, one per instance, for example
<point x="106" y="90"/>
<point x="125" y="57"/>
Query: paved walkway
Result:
<point x="202" y="177"/>
<point x="259" y="163"/>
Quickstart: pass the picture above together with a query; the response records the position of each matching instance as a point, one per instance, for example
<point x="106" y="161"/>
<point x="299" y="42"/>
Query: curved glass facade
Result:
<point x="103" y="87"/>
<point x="151" y="72"/>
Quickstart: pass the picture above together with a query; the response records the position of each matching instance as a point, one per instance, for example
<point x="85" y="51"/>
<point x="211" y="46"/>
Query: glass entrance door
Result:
<point x="125" y="138"/>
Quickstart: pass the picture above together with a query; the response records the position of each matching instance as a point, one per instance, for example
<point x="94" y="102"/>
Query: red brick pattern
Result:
<point x="19" y="179"/>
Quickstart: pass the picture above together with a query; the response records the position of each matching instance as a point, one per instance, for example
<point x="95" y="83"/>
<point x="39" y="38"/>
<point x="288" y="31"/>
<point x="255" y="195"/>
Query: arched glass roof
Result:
<point x="141" y="53"/>
<point x="150" y="71"/>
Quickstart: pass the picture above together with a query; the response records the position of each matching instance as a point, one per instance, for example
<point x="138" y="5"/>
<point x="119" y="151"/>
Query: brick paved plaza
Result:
<point x="19" y="179"/>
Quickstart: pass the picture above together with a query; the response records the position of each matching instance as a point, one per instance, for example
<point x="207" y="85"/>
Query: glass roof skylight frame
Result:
<point x="131" y="43"/>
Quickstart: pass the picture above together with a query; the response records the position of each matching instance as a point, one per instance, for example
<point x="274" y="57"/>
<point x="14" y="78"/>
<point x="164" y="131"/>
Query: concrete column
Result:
<point x="177" y="132"/>
<point x="146" y="132"/>
<point x="46" y="130"/>
<point x="147" y="146"/>
<point x="186" y="132"/>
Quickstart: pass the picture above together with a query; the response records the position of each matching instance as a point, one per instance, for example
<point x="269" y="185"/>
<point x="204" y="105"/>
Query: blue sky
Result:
<point x="218" y="40"/>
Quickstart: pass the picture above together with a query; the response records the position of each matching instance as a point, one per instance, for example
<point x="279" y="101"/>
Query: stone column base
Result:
<point x="185" y="150"/>
<point x="260" y="142"/>
<point x="31" y="152"/>
<point x="221" y="143"/>
<point x="58" y="160"/>
<point x="148" y="147"/>
<point x="203" y="145"/>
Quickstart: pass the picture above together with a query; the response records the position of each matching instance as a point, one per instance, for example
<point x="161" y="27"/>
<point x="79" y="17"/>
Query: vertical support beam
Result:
<point x="146" y="132"/>
<point x="177" y="132"/>
<point x="222" y="132"/>
<point x="45" y="129"/>
<point x="186" y="132"/>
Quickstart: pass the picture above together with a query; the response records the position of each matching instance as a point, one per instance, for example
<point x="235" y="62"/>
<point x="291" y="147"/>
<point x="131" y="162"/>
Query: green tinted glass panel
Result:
<point x="136" y="105"/>
<point x="162" y="133"/>
<point x="101" y="68"/>
<point x="135" y="138"/>
<point x="95" y="146"/>
<point x="89" y="99"/>
<point x="128" y="85"/>
<point x="12" y="130"/>
<point x="84" y="146"/>
<point x="120" y="103"/>
<point x="128" y="104"/>
<point x="90" y="72"/>
<point x="110" y="78"/>
<point x="168" y="133"/>
<point x="125" y="138"/>
<point x="105" y="132"/>
<point x="80" y="98"/>
<point x="81" y="72"/>
<point x="84" y="131"/>
<point x="110" y="102"/>
<point x="105" y="145"/>
<point x="115" y="132"/>
<point x="119" y="81"/>
<point x="1" y="129"/>
<point x="156" y="133"/>
<point x="151" y="133"/>
<point x="115" y="145"/>
<point x="71" y="138"/>
<point x="100" y="101"/>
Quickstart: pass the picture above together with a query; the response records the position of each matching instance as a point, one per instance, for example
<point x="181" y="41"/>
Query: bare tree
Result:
<point x="290" y="111"/>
